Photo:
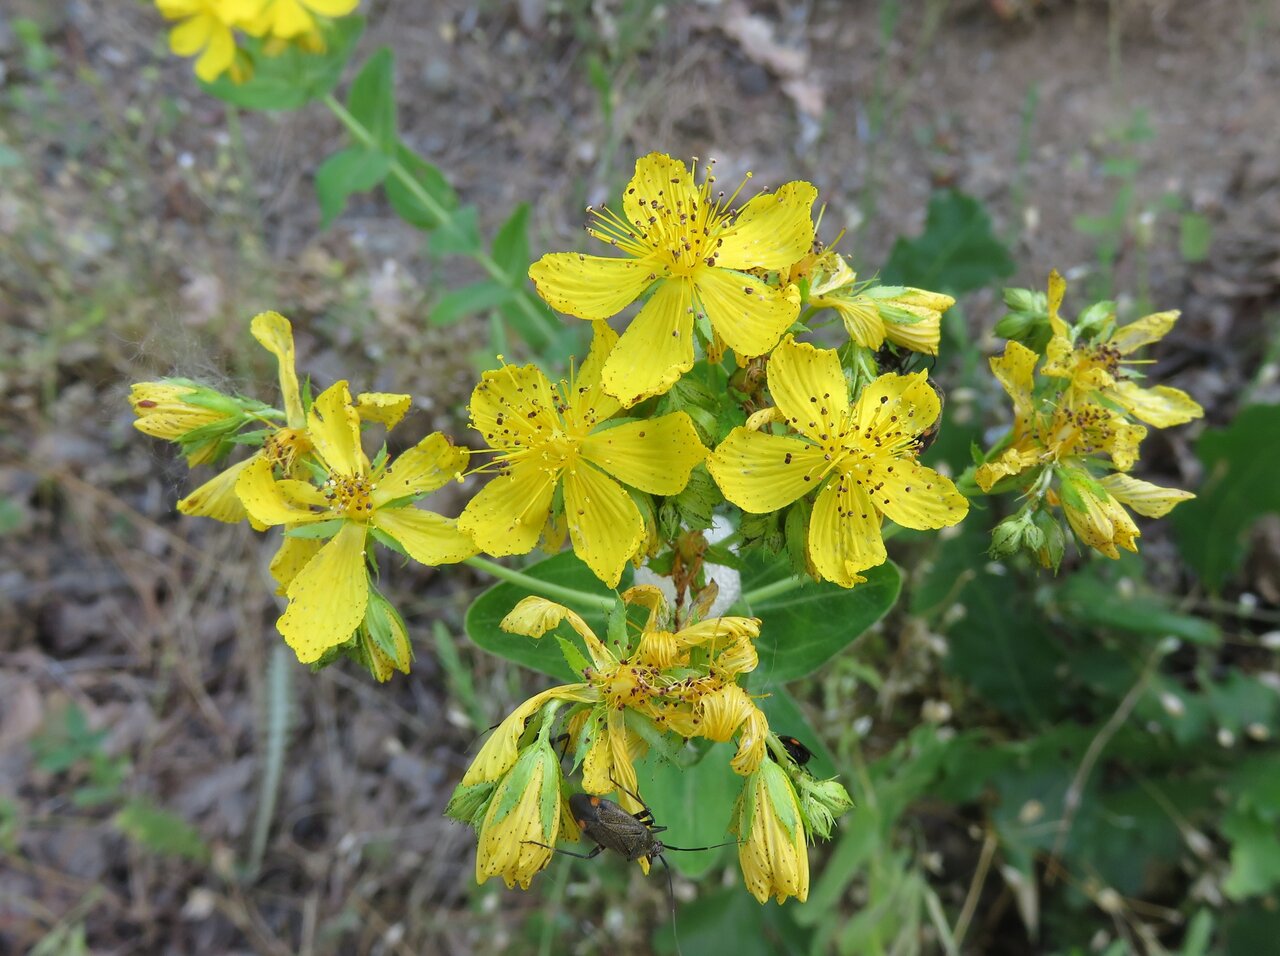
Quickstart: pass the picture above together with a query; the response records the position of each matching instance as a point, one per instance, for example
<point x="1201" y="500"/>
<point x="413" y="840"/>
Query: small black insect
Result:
<point x="795" y="749"/>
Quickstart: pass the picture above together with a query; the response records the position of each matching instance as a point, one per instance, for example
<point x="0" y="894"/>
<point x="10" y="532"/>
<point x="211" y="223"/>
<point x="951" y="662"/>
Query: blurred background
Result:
<point x="1073" y="764"/>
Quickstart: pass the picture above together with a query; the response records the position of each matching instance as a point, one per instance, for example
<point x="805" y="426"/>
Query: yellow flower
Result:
<point x="1045" y="432"/>
<point x="1095" y="507"/>
<point x="860" y="459"/>
<point x="678" y="235"/>
<point x="547" y="438"/>
<point x="1097" y="366"/>
<point x="206" y="29"/>
<point x="295" y="19"/>
<point x="197" y="418"/>
<point x="911" y="318"/>
<point x="328" y="597"/>
<point x="773" y="855"/>
<point x="524" y="812"/>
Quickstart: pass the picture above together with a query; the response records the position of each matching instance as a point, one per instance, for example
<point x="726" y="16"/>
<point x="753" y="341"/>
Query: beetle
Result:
<point x="795" y="750"/>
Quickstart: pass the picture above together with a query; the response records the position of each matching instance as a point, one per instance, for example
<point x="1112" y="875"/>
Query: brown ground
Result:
<point x="137" y="237"/>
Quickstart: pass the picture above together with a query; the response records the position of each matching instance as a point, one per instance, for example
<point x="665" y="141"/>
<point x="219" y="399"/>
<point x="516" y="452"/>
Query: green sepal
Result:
<point x="470" y="802"/>
<point x="380" y="619"/>
<point x="796" y="535"/>
<point x="572" y="656"/>
<point x="316" y="529"/>
<point x="782" y="795"/>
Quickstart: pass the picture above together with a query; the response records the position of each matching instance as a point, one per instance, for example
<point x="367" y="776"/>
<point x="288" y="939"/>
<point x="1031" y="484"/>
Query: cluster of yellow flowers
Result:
<point x="1075" y="432"/>
<point x="682" y="681"/>
<point x="207" y="29"/>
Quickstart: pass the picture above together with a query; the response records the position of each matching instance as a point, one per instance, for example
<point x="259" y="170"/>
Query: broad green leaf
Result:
<point x="293" y="77"/>
<point x="511" y="245"/>
<point x="805" y="626"/>
<point x="425" y="213"/>
<point x="694" y="803"/>
<point x="1255" y="855"/>
<point x="728" y="920"/>
<point x="542" y="654"/>
<point x="1094" y="601"/>
<point x="460" y="303"/>
<point x="372" y="100"/>
<point x="351" y="170"/>
<point x="956" y="253"/>
<point x="1240" y="486"/>
<point x="161" y="831"/>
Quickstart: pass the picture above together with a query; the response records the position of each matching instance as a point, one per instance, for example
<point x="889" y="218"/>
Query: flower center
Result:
<point x="350" y="495"/>
<point x="285" y="446"/>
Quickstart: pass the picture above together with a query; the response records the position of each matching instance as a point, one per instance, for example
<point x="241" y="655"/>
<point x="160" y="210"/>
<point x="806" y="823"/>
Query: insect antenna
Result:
<point x="671" y="895"/>
<point x="693" y="849"/>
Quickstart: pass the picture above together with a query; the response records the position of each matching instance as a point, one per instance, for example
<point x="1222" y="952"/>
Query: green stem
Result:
<point x="545" y="588"/>
<point x="362" y="135"/>
<point x="766" y="591"/>
<point x="275" y="734"/>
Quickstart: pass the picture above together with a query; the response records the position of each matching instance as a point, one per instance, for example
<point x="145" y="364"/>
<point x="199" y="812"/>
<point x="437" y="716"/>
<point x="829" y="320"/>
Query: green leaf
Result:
<point x="511" y="245"/>
<point x="458" y="235"/>
<point x="694" y="803"/>
<point x="806" y="626"/>
<point x="1092" y="600"/>
<point x="294" y="77"/>
<point x="440" y="200"/>
<point x="161" y="831"/>
<point x="1195" y="236"/>
<point x="1239" y="487"/>
<point x="1255" y="855"/>
<point x="542" y="654"/>
<point x="460" y="303"/>
<point x="351" y="170"/>
<point x="316" y="529"/>
<point x="372" y="100"/>
<point x="956" y="253"/>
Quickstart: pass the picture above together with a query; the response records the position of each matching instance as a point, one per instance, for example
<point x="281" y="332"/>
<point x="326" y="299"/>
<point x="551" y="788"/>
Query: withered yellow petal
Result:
<point x="385" y="408"/>
<point x="432" y="463"/>
<point x="335" y="431"/>
<point x="1144" y="331"/>
<point x="1160" y="405"/>
<point x="1147" y="499"/>
<point x="275" y="334"/>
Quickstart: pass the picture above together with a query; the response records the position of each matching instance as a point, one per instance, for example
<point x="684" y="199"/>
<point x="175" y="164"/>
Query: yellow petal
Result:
<point x="591" y="287"/>
<point x="275" y="334"/>
<point x="723" y="711"/>
<point x="605" y="525"/>
<point x="1015" y="371"/>
<point x="386" y="408"/>
<point x="844" y="533"/>
<point x="512" y="407"/>
<point x="861" y="319"/>
<point x="918" y="497"/>
<point x="507" y="515"/>
<point x="659" y="185"/>
<point x="809" y="387"/>
<point x="761" y="473"/>
<point x="176" y="9"/>
<point x="1160" y="405"/>
<point x="657" y="347"/>
<point x="654" y="455"/>
<point x="432" y="463"/>
<point x="216" y="498"/>
<point x="922" y="336"/>
<point x="218" y="55"/>
<point x="291" y="557"/>
<point x="328" y="597"/>
<point x="1014" y="461"/>
<point x="1057" y="289"/>
<point x="904" y="404"/>
<point x="271" y="502"/>
<point x="289" y="19"/>
<point x="335" y="431"/>
<point x="749" y="315"/>
<point x="192" y="36"/>
<point x="772" y="231"/>
<point x="427" y="537"/>
<point x="1143" y="497"/>
<point x="1145" y="331"/>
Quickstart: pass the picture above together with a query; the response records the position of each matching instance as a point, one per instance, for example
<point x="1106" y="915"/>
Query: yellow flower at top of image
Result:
<point x="1098" y="367"/>
<point x="206" y="29"/>
<point x="680" y="238"/>
<point x="909" y="317"/>
<point x="547" y="437"/>
<point x="329" y="594"/>
<point x="774" y="855"/>
<point x="296" y="19"/>
<point x="861" y="460"/>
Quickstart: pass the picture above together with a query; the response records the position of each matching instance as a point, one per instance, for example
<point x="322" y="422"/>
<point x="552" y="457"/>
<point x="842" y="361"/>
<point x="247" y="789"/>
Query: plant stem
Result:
<point x="362" y="135"/>
<point x="539" y="586"/>
<point x="277" y="705"/>
<point x="766" y="591"/>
